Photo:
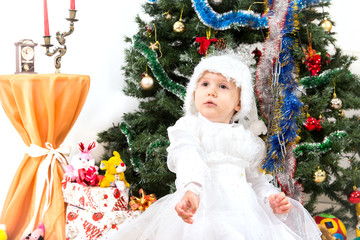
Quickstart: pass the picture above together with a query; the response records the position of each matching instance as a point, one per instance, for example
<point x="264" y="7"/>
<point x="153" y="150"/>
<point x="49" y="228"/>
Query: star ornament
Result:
<point x="154" y="46"/>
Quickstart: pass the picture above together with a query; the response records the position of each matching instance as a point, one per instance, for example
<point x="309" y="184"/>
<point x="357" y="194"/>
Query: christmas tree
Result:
<point x="290" y="43"/>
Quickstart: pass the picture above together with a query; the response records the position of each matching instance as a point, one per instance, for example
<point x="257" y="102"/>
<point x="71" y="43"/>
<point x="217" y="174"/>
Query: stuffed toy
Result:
<point x="115" y="169"/>
<point x="82" y="168"/>
<point x="3" y="235"/>
<point x="37" y="234"/>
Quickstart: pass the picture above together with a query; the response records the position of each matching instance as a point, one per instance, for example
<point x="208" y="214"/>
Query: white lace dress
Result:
<point x="223" y="159"/>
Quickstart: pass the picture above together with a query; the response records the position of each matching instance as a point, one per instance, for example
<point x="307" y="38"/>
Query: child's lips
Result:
<point x="210" y="103"/>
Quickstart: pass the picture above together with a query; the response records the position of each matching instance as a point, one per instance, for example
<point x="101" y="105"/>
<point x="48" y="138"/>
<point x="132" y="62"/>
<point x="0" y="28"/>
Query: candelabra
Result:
<point x="60" y="37"/>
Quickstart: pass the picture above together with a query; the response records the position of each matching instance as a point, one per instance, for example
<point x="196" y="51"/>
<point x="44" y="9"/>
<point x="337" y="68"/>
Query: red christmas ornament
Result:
<point x="204" y="44"/>
<point x="311" y="124"/>
<point x="354" y="196"/>
<point x="314" y="64"/>
<point x="312" y="60"/>
<point x="257" y="52"/>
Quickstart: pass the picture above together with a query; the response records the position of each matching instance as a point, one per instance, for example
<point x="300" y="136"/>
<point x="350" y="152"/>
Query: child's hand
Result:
<point x="279" y="203"/>
<point x="187" y="207"/>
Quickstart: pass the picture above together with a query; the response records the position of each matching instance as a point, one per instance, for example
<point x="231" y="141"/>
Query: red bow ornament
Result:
<point x="204" y="43"/>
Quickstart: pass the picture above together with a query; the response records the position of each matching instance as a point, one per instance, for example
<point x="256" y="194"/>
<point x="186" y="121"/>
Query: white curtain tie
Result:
<point x="52" y="155"/>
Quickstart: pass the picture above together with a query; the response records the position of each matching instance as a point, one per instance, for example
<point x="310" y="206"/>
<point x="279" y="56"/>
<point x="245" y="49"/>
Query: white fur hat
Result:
<point x="232" y="68"/>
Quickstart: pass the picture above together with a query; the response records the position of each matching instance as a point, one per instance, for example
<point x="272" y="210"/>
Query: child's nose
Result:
<point x="212" y="92"/>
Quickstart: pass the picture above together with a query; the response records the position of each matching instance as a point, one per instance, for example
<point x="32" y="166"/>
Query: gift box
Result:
<point x="96" y="198"/>
<point x="83" y="224"/>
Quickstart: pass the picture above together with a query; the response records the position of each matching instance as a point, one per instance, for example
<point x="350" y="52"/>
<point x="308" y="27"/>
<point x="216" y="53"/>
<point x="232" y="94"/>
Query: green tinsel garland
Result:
<point x="126" y="130"/>
<point x="159" y="73"/>
<point x="156" y="144"/>
<point x="323" y="78"/>
<point x="320" y="147"/>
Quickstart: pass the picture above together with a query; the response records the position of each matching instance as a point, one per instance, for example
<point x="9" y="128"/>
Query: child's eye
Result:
<point x="223" y="86"/>
<point x="205" y="84"/>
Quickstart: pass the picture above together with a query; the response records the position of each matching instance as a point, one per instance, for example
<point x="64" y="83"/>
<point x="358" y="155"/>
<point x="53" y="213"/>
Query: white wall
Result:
<point x="95" y="49"/>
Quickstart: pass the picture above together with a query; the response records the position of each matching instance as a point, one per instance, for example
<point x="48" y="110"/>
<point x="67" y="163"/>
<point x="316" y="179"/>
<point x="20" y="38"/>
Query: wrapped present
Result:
<point x="96" y="198"/>
<point x="83" y="224"/>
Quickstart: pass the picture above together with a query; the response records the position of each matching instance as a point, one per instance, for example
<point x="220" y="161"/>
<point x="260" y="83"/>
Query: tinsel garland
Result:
<point x="291" y="187"/>
<point x="315" y="81"/>
<point x="129" y="134"/>
<point x="224" y="21"/>
<point x="279" y="157"/>
<point x="320" y="147"/>
<point x="156" y="144"/>
<point x="152" y="1"/>
<point x="269" y="54"/>
<point x="305" y="3"/>
<point x="159" y="73"/>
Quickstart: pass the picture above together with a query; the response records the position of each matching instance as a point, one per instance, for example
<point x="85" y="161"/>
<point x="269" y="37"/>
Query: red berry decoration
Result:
<point x="71" y="216"/>
<point x="97" y="216"/>
<point x="311" y="124"/>
<point x="314" y="64"/>
<point x="354" y="196"/>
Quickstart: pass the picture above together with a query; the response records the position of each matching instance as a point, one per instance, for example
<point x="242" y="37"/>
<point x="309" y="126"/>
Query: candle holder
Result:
<point x="60" y="37"/>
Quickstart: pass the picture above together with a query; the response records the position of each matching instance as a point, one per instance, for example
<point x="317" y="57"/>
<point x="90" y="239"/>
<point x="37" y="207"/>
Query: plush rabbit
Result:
<point x="84" y="158"/>
<point x="81" y="163"/>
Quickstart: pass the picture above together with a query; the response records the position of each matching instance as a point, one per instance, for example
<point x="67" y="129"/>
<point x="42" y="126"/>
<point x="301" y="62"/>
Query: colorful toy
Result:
<point x="333" y="225"/>
<point x="37" y="234"/>
<point x="82" y="160"/>
<point x="325" y="233"/>
<point x="115" y="169"/>
<point x="3" y="235"/>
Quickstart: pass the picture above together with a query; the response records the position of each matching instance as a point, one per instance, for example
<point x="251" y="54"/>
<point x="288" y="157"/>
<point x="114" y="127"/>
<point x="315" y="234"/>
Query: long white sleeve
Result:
<point x="186" y="156"/>
<point x="259" y="181"/>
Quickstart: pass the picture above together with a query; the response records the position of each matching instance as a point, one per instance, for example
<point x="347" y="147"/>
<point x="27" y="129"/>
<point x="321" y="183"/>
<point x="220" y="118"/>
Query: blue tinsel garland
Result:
<point x="291" y="106"/>
<point x="224" y="21"/>
<point x="305" y="3"/>
<point x="243" y="18"/>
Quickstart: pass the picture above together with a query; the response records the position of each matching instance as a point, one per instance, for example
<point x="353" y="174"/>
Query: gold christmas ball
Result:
<point x="168" y="16"/>
<point x="326" y="25"/>
<point x="319" y="175"/>
<point x="147" y="82"/>
<point x="336" y="103"/>
<point x="179" y="26"/>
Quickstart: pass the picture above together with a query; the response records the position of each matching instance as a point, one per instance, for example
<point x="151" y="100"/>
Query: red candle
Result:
<point x="46" y="19"/>
<point x="72" y="4"/>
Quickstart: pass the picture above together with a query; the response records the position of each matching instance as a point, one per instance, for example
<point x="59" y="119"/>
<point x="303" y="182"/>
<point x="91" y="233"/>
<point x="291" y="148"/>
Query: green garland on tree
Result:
<point x="129" y="134"/>
<point x="320" y="147"/>
<point x="158" y="71"/>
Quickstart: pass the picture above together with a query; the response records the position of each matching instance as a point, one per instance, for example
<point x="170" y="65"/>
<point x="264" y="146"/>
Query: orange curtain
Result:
<point x="43" y="108"/>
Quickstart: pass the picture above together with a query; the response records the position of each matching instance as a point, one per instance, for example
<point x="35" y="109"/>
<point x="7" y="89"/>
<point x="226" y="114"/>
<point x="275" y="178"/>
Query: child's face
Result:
<point x="216" y="98"/>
